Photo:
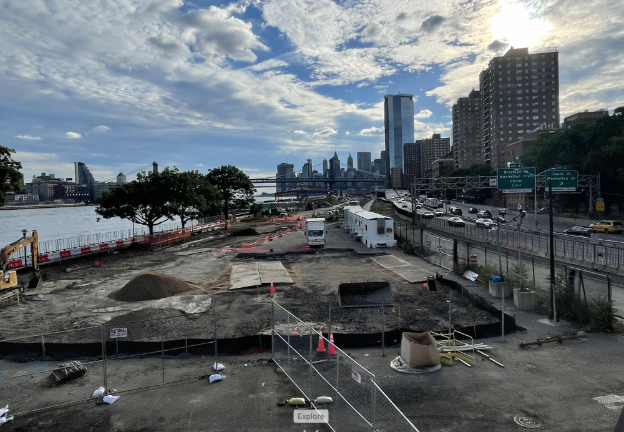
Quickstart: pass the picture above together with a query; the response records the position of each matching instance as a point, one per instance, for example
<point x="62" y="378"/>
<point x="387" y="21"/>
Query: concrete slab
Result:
<point x="245" y="276"/>
<point x="273" y="271"/>
<point x="390" y="262"/>
<point x="411" y="274"/>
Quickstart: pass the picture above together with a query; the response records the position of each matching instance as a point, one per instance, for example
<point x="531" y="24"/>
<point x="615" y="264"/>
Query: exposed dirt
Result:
<point x="151" y="285"/>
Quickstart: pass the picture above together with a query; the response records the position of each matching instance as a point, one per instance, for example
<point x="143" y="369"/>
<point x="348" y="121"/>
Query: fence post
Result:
<point x="272" y="331"/>
<point x="104" y="355"/>
<point x="162" y="349"/>
<point x="374" y="400"/>
<point x="383" y="329"/>
<point x="609" y="288"/>
<point x="215" y="335"/>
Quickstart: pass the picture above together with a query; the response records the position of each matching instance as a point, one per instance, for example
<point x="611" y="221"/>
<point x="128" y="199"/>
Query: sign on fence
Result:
<point x="356" y="376"/>
<point x="118" y="333"/>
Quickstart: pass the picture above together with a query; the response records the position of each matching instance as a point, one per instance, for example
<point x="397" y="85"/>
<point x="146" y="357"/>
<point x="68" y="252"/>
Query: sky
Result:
<point x="117" y="84"/>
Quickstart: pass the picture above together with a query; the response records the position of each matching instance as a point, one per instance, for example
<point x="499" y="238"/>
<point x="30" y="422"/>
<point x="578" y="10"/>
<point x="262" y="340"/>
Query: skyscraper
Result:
<point x="412" y="161"/>
<point x="519" y="93"/>
<point x="325" y="168"/>
<point x="433" y="148"/>
<point x="364" y="161"/>
<point x="334" y="166"/>
<point x="398" y="126"/>
<point x="467" y="143"/>
<point x="83" y="174"/>
<point x="284" y="171"/>
<point x="350" y="161"/>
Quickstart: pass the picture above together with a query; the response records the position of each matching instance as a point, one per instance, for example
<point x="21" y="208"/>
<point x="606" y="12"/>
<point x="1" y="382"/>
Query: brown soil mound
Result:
<point x="150" y="286"/>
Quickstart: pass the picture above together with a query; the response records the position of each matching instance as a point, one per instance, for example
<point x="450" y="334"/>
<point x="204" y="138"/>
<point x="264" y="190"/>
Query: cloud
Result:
<point x="498" y="46"/>
<point x="432" y="23"/>
<point x="100" y="129"/>
<point x="27" y="137"/>
<point x="372" y="131"/>
<point x="72" y="135"/>
<point x="299" y="132"/>
<point x="424" y="114"/>
<point x="325" y="131"/>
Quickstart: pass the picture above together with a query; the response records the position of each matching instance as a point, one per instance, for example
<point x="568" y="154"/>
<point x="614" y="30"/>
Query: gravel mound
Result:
<point x="150" y="286"/>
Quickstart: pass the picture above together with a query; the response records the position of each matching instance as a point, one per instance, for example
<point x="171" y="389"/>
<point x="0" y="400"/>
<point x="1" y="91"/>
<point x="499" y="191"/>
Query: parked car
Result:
<point x="418" y="206"/>
<point x="456" y="221"/>
<point x="580" y="231"/>
<point x="472" y="210"/>
<point x="485" y="223"/>
<point x="428" y="215"/>
<point x="484" y="214"/>
<point x="608" y="226"/>
<point x="438" y="213"/>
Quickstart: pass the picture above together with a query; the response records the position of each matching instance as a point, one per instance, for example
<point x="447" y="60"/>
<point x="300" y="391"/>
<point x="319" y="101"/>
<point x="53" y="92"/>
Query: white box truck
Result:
<point x="315" y="231"/>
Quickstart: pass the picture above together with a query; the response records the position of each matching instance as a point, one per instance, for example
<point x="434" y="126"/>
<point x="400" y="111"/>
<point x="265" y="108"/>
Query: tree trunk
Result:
<point x="183" y="222"/>
<point x="151" y="228"/>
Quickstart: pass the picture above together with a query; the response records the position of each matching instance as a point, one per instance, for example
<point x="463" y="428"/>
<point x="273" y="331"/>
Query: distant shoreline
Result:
<point x="43" y="206"/>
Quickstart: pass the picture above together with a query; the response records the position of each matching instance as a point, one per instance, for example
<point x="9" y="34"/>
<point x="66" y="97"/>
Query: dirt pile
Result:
<point x="244" y="232"/>
<point x="150" y="286"/>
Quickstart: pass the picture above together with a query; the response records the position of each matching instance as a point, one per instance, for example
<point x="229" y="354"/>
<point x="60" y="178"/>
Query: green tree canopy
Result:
<point x="595" y="148"/>
<point x="146" y="201"/>
<point x="234" y="189"/>
<point x="473" y="171"/>
<point x="9" y="173"/>
<point x="191" y="195"/>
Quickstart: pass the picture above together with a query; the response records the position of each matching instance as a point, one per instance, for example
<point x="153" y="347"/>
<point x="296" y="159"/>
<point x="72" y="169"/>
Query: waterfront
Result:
<point x="58" y="223"/>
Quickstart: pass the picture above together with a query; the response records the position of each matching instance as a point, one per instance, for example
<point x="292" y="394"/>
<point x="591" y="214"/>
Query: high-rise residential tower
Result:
<point x="398" y="126"/>
<point x="285" y="171"/>
<point x="83" y="174"/>
<point x="467" y="143"/>
<point x="519" y="93"/>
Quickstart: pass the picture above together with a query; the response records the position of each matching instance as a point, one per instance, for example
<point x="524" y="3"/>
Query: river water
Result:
<point x="58" y="223"/>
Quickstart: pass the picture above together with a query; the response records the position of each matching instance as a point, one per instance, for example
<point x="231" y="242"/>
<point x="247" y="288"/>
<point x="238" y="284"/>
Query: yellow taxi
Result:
<point x="608" y="226"/>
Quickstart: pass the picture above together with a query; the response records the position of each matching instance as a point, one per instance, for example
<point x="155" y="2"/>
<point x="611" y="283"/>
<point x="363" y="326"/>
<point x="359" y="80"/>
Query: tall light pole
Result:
<point x="500" y="272"/>
<point x="522" y="215"/>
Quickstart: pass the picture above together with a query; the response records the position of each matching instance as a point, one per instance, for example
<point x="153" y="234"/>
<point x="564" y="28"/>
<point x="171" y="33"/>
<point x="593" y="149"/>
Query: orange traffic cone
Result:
<point x="332" y="347"/>
<point x="321" y="343"/>
<point x="272" y="290"/>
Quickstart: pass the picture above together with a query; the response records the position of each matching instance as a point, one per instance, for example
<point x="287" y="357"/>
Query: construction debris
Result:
<point x="558" y="339"/>
<point x="110" y="399"/>
<point x="399" y="365"/>
<point x="67" y="372"/>
<point x="98" y="392"/>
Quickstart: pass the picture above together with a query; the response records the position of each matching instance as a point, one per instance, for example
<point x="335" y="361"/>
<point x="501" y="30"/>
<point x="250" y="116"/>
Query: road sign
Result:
<point x="118" y="333"/>
<point x="600" y="206"/>
<point x="516" y="180"/>
<point x="492" y="182"/>
<point x="600" y="199"/>
<point x="515" y="165"/>
<point x="561" y="167"/>
<point x="562" y="180"/>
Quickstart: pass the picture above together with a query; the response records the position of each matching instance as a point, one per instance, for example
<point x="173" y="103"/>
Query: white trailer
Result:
<point x="315" y="231"/>
<point x="348" y="216"/>
<point x="374" y="229"/>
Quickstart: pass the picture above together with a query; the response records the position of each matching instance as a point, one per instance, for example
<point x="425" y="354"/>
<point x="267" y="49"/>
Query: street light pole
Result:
<point x="553" y="308"/>
<point x="522" y="215"/>
<point x="502" y="287"/>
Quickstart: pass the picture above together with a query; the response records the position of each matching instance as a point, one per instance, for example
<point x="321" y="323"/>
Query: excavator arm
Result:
<point x="8" y="251"/>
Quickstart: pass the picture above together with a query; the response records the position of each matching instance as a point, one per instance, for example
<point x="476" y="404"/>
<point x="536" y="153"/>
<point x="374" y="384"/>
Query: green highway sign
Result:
<point x="515" y="165"/>
<point x="560" y="167"/>
<point x="516" y="180"/>
<point x="562" y="180"/>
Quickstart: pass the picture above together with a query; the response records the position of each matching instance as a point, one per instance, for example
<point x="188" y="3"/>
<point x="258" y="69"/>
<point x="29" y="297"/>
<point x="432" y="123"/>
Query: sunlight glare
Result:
<point x="518" y="25"/>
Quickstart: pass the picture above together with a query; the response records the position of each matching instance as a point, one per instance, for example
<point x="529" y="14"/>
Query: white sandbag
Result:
<point x="4" y="410"/>
<point x="97" y="393"/>
<point x="109" y="399"/>
<point x="218" y="367"/>
<point x="216" y="377"/>
<point x="3" y="420"/>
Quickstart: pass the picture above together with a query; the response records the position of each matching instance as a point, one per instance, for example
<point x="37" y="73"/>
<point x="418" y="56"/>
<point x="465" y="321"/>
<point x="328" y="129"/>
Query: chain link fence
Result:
<point x="119" y="356"/>
<point x="318" y="368"/>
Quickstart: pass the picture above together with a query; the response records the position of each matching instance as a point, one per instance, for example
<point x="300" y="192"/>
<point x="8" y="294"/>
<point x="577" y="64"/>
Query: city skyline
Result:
<point x="198" y="85"/>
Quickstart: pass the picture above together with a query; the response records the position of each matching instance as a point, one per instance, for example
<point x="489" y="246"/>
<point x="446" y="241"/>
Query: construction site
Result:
<point x="150" y="325"/>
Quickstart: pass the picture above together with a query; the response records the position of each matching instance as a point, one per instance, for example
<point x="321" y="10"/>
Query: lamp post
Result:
<point x="522" y="215"/>
<point x="500" y="272"/>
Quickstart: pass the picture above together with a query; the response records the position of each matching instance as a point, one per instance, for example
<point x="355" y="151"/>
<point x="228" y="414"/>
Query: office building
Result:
<point x="377" y="166"/>
<point x="441" y="167"/>
<point x="349" y="161"/>
<point x="82" y="173"/>
<point x="334" y="166"/>
<point x="384" y="166"/>
<point x="284" y="171"/>
<point x="396" y="178"/>
<point x="412" y="160"/>
<point x="325" y="168"/>
<point x="364" y="161"/>
<point x="467" y="142"/>
<point x="398" y="127"/>
<point x="519" y="93"/>
<point x="121" y="178"/>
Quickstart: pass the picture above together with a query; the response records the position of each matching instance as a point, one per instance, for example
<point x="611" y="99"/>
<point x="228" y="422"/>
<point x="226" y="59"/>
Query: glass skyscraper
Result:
<point x="399" y="126"/>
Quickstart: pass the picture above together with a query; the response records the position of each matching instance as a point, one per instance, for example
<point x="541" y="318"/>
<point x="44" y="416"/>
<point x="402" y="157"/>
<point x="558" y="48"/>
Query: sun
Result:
<point x="518" y="25"/>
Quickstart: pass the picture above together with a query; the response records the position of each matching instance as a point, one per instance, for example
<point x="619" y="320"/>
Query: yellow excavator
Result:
<point x="8" y="279"/>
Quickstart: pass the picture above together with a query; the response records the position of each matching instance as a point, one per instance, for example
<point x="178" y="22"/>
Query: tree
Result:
<point x="192" y="195"/>
<point x="234" y="189"/>
<point x="146" y="201"/>
<point x="9" y="173"/>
